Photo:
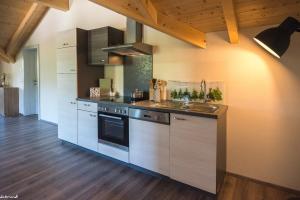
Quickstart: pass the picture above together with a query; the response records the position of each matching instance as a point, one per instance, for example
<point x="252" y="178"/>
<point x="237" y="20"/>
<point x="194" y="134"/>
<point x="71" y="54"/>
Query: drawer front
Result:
<point x="88" y="106"/>
<point x="113" y="152"/>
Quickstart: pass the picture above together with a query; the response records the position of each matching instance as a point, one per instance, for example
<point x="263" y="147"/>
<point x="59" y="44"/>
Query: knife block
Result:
<point x="162" y="86"/>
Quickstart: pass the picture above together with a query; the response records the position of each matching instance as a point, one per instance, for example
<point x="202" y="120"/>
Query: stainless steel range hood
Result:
<point x="134" y="45"/>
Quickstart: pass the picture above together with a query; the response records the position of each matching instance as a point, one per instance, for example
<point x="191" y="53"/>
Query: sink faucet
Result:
<point x="203" y="89"/>
<point x="186" y="100"/>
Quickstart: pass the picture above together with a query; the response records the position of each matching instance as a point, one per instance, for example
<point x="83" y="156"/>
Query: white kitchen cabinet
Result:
<point x="66" y="60"/>
<point x="113" y="152"/>
<point x="88" y="106"/>
<point x="67" y="87"/>
<point x="193" y="151"/>
<point x="67" y="107"/>
<point x="66" y="39"/>
<point x="88" y="130"/>
<point x="149" y="145"/>
<point x="67" y="121"/>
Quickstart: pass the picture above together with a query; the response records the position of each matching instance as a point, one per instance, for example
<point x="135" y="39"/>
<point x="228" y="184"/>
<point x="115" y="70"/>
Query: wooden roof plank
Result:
<point x="166" y="24"/>
<point x="63" y="5"/>
<point x="4" y="57"/>
<point x="231" y="21"/>
<point x="21" y="28"/>
<point x="26" y="27"/>
<point x="147" y="9"/>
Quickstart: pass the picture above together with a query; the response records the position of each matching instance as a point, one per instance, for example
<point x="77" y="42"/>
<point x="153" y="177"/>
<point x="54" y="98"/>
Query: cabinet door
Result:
<point x="193" y="151"/>
<point x="67" y="121"/>
<point x="66" y="59"/>
<point x="67" y="107"/>
<point x="67" y="87"/>
<point x="98" y="39"/>
<point x="88" y="130"/>
<point x="149" y="145"/>
<point x="66" y="39"/>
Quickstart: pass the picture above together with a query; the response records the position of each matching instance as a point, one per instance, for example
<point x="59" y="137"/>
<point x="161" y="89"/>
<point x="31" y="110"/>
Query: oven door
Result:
<point x="113" y="130"/>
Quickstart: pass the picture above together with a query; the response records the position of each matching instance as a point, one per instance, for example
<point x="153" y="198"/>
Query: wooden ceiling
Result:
<point x="18" y="19"/>
<point x="187" y="20"/>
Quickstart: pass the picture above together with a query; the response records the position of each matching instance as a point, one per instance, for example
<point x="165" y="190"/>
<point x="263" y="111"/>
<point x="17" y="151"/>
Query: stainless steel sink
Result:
<point x="200" y="108"/>
<point x="159" y="105"/>
<point x="193" y="107"/>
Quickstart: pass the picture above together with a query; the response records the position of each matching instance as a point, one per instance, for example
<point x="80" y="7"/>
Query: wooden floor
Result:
<point x="34" y="164"/>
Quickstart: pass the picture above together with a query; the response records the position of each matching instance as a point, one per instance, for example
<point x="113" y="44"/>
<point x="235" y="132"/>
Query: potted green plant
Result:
<point x="186" y="93"/>
<point x="194" y="95"/>
<point x="180" y="94"/>
<point x="174" y="94"/>
<point x="215" y="94"/>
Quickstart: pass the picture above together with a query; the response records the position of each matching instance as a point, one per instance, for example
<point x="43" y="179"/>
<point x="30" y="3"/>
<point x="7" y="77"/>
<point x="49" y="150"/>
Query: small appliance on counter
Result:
<point x="158" y="90"/>
<point x="137" y="95"/>
<point x="95" y="92"/>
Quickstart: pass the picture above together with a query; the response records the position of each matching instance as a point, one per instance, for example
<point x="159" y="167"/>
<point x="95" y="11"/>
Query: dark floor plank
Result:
<point x="36" y="165"/>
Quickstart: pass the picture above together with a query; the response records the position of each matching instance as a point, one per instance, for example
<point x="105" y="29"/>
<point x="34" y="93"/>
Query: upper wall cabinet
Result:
<point x="100" y="38"/>
<point x="66" y="39"/>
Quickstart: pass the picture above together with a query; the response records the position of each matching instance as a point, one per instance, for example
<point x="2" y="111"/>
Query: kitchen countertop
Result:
<point x="148" y="105"/>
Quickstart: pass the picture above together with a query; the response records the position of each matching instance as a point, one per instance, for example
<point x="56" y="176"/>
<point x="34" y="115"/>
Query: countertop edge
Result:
<point x="222" y="110"/>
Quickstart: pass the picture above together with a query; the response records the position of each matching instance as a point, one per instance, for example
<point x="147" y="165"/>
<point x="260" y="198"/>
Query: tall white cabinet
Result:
<point x="67" y="85"/>
<point x="74" y="79"/>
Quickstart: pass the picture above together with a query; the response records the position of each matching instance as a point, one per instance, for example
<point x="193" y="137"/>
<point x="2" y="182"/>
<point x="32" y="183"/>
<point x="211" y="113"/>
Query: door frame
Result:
<point x="38" y="75"/>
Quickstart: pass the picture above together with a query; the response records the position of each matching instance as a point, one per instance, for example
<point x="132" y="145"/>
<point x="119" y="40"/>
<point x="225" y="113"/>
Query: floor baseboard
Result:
<point x="289" y="190"/>
<point x="52" y="123"/>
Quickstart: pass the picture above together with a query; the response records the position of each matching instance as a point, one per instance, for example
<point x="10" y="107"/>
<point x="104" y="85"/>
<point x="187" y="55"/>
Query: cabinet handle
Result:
<point x="102" y="60"/>
<point x="72" y="70"/>
<point x="88" y="105"/>
<point x="92" y="115"/>
<point x="178" y="118"/>
<point x="72" y="102"/>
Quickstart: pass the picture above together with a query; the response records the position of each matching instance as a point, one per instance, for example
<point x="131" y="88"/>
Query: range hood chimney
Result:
<point x="134" y="45"/>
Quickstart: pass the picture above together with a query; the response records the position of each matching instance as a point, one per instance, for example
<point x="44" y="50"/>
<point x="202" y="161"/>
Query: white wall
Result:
<point x="261" y="91"/>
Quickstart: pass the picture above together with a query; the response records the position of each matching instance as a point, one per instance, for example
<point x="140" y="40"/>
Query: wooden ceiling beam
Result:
<point x="231" y="20"/>
<point x="63" y="5"/>
<point x="164" y="23"/>
<point x="21" y="29"/>
<point x="147" y="9"/>
<point x="35" y="13"/>
<point x="3" y="56"/>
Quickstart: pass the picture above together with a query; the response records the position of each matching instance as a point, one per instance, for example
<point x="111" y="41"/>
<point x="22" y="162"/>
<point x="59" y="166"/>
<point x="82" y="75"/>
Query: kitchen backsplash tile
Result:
<point x="116" y="73"/>
<point x="172" y="85"/>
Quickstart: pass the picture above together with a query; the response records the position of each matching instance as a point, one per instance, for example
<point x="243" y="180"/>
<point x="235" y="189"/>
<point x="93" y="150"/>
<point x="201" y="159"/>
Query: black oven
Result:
<point x="113" y="128"/>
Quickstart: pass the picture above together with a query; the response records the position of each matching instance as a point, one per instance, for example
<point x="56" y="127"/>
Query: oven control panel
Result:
<point x="114" y="109"/>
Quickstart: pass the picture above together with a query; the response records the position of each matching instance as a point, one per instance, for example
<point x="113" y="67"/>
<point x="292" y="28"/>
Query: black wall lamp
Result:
<point x="277" y="40"/>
